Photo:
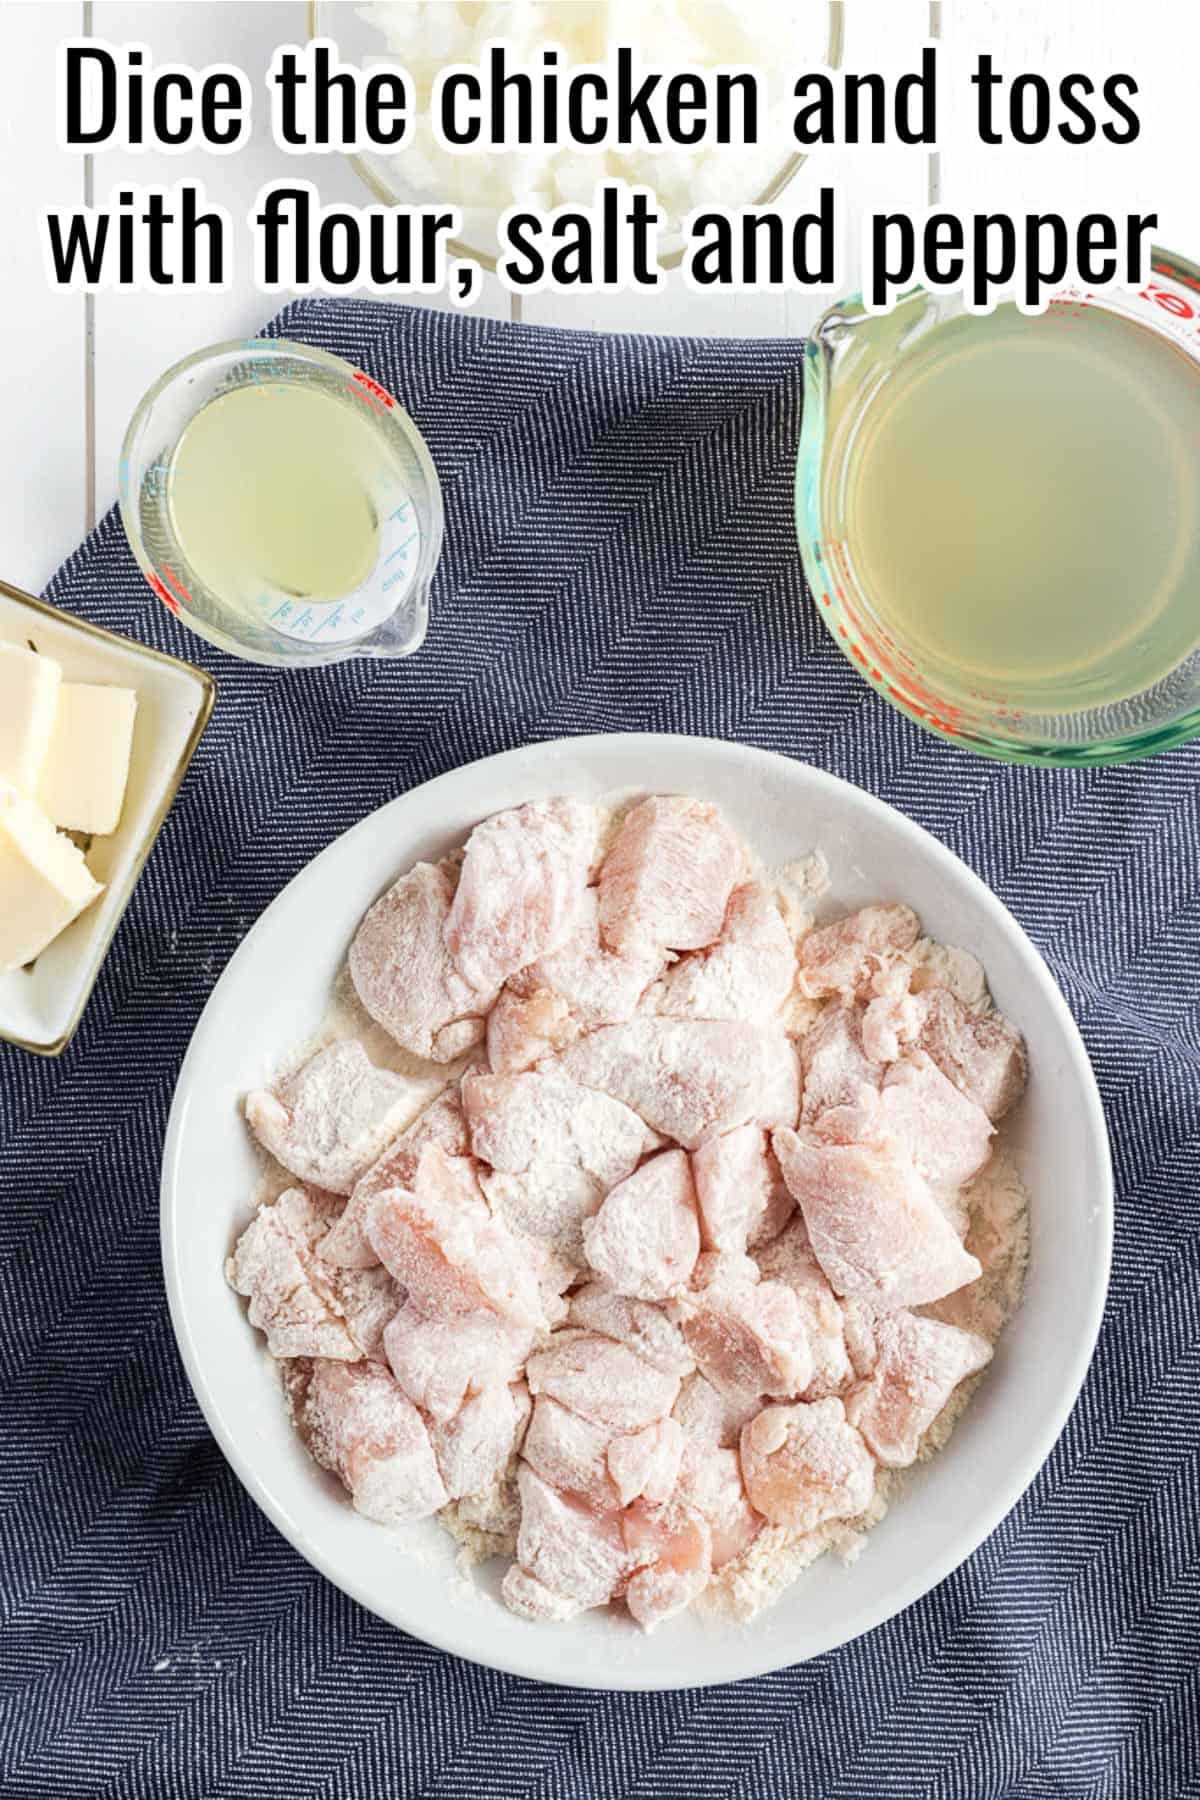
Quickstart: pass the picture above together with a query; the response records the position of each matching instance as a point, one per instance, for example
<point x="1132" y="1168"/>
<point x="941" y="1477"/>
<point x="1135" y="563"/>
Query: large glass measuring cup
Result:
<point x="283" y="505"/>
<point x="856" y="364"/>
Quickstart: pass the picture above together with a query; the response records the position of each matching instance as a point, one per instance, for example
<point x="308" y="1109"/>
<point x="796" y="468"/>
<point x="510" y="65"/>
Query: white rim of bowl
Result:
<point x="921" y="1583"/>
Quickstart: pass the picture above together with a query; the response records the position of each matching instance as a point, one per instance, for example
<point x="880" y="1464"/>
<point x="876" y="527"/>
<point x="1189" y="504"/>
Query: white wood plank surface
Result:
<point x="1156" y="41"/>
<point x="43" y="416"/>
<point x="44" y="449"/>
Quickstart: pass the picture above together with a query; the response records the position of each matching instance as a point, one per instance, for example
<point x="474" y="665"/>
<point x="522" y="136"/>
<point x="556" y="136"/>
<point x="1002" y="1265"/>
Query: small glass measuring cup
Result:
<point x="849" y="359"/>
<point x="386" y="613"/>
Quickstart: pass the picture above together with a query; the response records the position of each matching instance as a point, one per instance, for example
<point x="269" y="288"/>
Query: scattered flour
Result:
<point x="998" y="1235"/>
<point x="953" y="968"/>
<point x="485" y="1525"/>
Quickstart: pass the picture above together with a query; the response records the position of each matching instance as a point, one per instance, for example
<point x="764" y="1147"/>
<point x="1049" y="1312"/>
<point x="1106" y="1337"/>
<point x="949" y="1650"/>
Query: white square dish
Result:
<point x="41" y="1005"/>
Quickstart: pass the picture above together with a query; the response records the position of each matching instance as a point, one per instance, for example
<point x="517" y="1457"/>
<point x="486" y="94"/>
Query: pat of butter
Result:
<point x="87" y="766"/>
<point x="29" y="688"/>
<point x="44" y="881"/>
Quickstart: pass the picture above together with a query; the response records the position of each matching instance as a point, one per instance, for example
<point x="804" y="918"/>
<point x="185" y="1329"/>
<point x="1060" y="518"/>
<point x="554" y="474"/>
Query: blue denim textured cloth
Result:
<point x="619" y="554"/>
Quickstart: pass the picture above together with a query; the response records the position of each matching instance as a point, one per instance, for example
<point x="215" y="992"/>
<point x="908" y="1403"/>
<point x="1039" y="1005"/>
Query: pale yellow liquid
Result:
<point x="270" y="492"/>
<point x="1022" y="506"/>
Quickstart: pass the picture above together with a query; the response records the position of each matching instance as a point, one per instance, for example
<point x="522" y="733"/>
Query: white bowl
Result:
<point x="764" y="174"/>
<point x="41" y="1006"/>
<point x="270" y="998"/>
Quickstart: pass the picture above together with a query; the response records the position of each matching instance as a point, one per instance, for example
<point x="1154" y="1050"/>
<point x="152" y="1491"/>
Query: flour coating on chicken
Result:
<point x="693" y="1229"/>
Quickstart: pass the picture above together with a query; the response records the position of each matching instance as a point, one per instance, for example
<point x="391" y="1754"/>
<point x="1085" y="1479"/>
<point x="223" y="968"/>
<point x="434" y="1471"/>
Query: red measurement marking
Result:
<point x="882" y="658"/>
<point x="164" y="593"/>
<point x="1176" y="275"/>
<point x="177" y="585"/>
<point x="1175" y="304"/>
<point x="373" y="387"/>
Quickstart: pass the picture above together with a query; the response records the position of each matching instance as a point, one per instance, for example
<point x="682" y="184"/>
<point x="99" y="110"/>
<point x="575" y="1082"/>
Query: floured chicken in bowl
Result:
<point x="631" y="1216"/>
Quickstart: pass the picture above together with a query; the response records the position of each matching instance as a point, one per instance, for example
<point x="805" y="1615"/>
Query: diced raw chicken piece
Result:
<point x="982" y="1053"/>
<point x="741" y="1194"/>
<point x="357" y="1422"/>
<point x="448" y="1252"/>
<point x="557" y="1148"/>
<point x="602" y="1381"/>
<point x="473" y="1448"/>
<point x="892" y="1017"/>
<point x="547" y="1206"/>
<point x="691" y="1078"/>
<point x="748" y="1336"/>
<point x="947" y="1135"/>
<point x="917" y="1365"/>
<point x="403" y="972"/>
<point x="597" y="985"/>
<point x="668" y="876"/>
<point x="330" y="1120"/>
<point x="747" y="974"/>
<point x="441" y="1123"/>
<point x="645" y="1239"/>
<point x="876" y="1229"/>
<point x="440" y="1362"/>
<point x="842" y="958"/>
<point x="369" y="1299"/>
<point x="530" y="1598"/>
<point x="790" y="1259"/>
<point x="292" y="1299"/>
<point x="515" y="1121"/>
<point x="710" y="1481"/>
<point x="523" y="1030"/>
<point x="804" y="1465"/>
<point x="711" y="1418"/>
<point x="672" y="1547"/>
<point x="566" y="1546"/>
<point x="571" y="1453"/>
<point x="519" y="891"/>
<point x="645" y="1464"/>
<point x="837" y="1070"/>
<point x="638" y="1323"/>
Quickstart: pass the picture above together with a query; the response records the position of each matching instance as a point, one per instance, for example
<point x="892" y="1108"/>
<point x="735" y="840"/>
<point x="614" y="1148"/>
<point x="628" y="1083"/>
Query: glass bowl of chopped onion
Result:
<point x="425" y="36"/>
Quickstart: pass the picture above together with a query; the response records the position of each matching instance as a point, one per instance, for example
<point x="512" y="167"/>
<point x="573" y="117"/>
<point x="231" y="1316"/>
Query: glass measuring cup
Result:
<point x="382" y="609"/>
<point x="851" y="359"/>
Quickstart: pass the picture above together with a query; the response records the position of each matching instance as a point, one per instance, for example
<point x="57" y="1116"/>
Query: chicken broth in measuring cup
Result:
<point x="283" y="504"/>
<point x="272" y="492"/>
<point x="1023" y="503"/>
<point x="999" y="514"/>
